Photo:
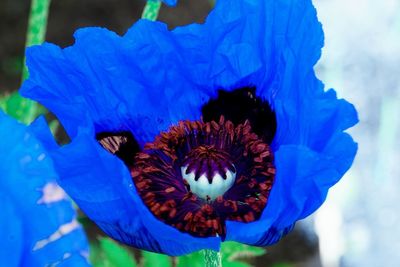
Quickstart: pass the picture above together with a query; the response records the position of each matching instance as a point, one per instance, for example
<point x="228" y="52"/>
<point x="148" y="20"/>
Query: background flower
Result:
<point x="151" y="78"/>
<point x="170" y="2"/>
<point x="37" y="222"/>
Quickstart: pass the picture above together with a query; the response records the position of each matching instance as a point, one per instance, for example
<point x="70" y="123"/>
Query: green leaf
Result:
<point x="234" y="254"/>
<point x="232" y="250"/>
<point x="151" y="259"/>
<point x="109" y="253"/>
<point x="193" y="260"/>
<point x="235" y="264"/>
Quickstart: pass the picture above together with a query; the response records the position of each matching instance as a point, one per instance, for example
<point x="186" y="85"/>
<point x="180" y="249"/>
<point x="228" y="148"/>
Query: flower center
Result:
<point x="200" y="174"/>
<point x="208" y="171"/>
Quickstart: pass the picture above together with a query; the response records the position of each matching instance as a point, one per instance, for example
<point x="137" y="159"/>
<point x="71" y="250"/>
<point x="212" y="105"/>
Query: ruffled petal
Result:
<point x="311" y="151"/>
<point x="302" y="181"/>
<point x="110" y="199"/>
<point x="151" y="77"/>
<point x="35" y="205"/>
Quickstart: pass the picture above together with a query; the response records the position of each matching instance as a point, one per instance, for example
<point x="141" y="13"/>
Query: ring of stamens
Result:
<point x="209" y="149"/>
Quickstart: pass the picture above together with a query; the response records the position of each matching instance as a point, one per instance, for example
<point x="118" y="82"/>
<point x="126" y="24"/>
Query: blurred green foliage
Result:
<point x="195" y="259"/>
<point x="12" y="65"/>
<point x="155" y="260"/>
<point x="109" y="253"/>
<point x="20" y="108"/>
<point x="238" y="255"/>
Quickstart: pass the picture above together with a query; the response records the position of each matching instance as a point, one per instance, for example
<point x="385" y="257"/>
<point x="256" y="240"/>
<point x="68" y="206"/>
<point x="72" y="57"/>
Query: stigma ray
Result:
<point x="209" y="187"/>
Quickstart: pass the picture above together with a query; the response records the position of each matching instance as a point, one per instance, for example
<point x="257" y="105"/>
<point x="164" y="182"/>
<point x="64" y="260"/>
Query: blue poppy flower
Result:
<point x="182" y="139"/>
<point x="37" y="220"/>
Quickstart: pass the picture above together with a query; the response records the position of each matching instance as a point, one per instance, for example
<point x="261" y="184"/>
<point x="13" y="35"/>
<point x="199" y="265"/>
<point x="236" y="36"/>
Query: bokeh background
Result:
<point x="358" y="226"/>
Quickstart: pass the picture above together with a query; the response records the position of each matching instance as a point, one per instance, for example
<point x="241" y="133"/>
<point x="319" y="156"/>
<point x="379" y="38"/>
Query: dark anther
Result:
<point x="121" y="144"/>
<point x="240" y="105"/>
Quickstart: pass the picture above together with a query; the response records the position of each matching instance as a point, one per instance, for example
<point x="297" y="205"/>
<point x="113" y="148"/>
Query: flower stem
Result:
<point x="37" y="26"/>
<point x="212" y="258"/>
<point x="151" y="10"/>
<point x="27" y="109"/>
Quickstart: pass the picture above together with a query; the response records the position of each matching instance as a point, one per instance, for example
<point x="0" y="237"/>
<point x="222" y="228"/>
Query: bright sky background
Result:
<point x="359" y="225"/>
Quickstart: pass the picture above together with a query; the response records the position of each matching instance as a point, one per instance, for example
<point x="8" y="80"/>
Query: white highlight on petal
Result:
<point x="52" y="193"/>
<point x="63" y="230"/>
<point x="203" y="188"/>
<point x="41" y="157"/>
<point x="85" y="254"/>
<point x="66" y="255"/>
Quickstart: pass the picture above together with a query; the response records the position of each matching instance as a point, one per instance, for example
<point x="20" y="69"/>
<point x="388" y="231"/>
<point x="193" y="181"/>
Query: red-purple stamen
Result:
<point x="180" y="176"/>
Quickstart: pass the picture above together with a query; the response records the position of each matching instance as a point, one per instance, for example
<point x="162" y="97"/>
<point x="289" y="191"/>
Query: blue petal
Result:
<point x="311" y="151"/>
<point x="110" y="199"/>
<point x="104" y="81"/>
<point x="34" y="205"/>
<point x="302" y="181"/>
<point x="11" y="234"/>
<point x="151" y="77"/>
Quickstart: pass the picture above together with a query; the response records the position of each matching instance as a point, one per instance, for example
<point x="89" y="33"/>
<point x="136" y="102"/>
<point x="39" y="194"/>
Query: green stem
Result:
<point x="151" y="10"/>
<point x="37" y="26"/>
<point x="212" y="258"/>
<point x="27" y="109"/>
